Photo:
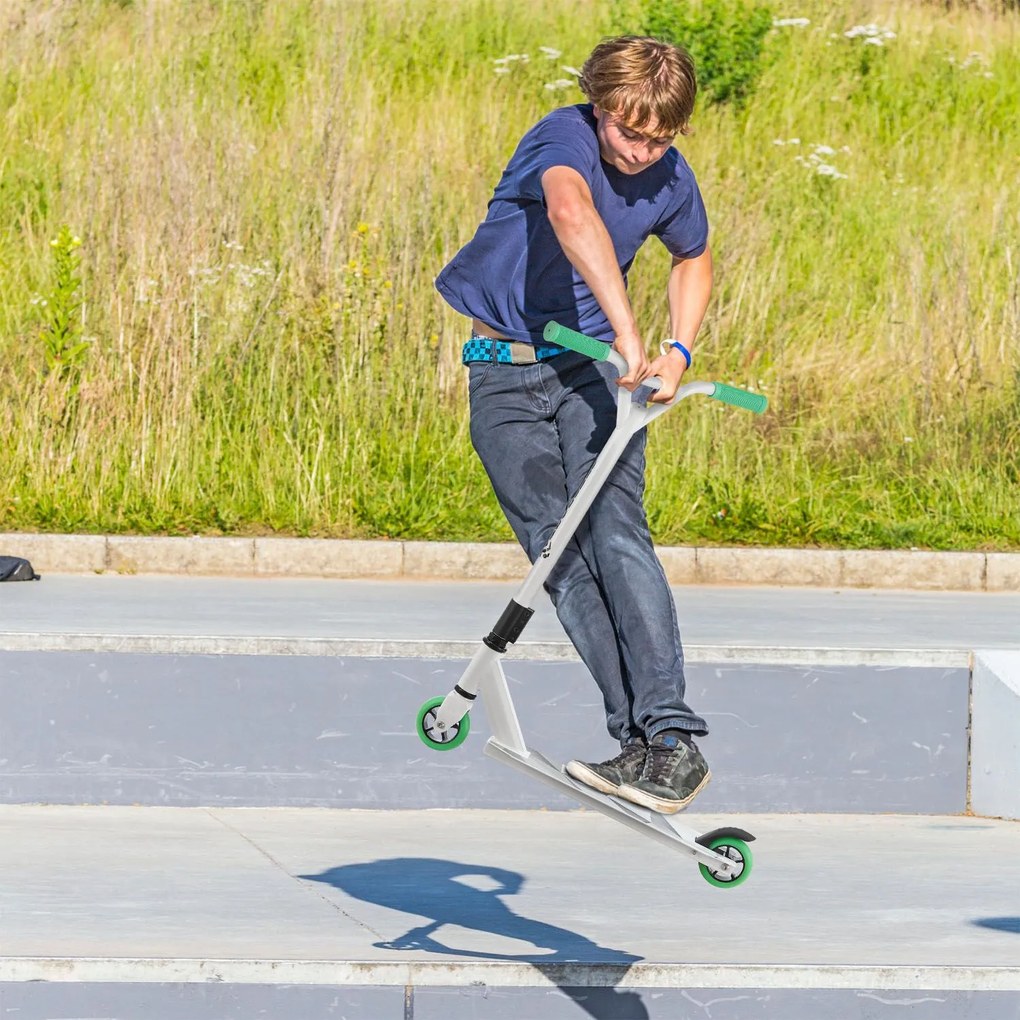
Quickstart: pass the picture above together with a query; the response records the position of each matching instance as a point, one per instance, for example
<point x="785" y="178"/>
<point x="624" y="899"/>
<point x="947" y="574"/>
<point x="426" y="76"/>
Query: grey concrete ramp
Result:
<point x="186" y="691"/>
<point x="301" y="731"/>
<point x="167" y="913"/>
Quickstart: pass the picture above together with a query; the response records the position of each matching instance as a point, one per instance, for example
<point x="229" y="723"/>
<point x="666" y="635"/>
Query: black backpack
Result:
<point x="14" y="568"/>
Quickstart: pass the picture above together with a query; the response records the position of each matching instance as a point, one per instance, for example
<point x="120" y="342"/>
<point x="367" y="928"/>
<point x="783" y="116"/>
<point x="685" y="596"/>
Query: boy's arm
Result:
<point x="589" y="248"/>
<point x="688" y="291"/>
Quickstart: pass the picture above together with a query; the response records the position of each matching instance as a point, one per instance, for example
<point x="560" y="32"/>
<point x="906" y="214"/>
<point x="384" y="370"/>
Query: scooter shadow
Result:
<point x="435" y="889"/>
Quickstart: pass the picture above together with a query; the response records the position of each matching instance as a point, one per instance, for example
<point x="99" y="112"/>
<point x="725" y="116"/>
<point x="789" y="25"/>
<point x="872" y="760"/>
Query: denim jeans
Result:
<point x="538" y="429"/>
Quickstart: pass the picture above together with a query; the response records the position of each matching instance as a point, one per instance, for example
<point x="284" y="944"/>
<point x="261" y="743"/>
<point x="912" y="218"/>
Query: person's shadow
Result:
<point x="1010" y="924"/>
<point x="434" y="889"/>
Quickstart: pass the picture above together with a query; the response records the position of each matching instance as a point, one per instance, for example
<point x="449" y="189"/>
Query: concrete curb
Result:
<point x="499" y="974"/>
<point x="391" y="560"/>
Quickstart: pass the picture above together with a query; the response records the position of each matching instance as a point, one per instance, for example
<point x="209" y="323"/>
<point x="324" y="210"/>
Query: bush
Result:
<point x="725" y="38"/>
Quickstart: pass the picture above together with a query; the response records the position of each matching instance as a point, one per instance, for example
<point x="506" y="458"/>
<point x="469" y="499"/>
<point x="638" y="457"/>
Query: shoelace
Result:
<point x="628" y="754"/>
<point x="657" y="762"/>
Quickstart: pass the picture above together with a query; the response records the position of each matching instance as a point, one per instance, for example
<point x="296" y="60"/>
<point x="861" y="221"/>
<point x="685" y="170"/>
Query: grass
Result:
<point x="264" y="193"/>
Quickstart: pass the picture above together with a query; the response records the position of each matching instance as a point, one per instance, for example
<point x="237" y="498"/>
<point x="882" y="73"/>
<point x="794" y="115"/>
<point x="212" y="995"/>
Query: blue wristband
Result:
<point x="666" y="344"/>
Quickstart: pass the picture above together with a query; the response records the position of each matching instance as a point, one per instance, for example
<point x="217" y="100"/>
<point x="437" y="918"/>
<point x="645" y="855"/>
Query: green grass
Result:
<point x="265" y="192"/>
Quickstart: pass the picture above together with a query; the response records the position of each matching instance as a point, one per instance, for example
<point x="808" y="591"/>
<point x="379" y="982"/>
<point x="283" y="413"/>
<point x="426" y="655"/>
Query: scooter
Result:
<point x="443" y="723"/>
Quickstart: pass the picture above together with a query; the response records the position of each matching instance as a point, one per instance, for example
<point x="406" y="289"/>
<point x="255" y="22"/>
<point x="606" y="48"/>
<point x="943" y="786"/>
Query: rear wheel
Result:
<point x="735" y="850"/>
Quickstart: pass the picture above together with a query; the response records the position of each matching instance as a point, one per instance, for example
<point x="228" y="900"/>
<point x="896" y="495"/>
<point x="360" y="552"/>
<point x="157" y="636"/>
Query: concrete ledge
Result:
<point x="811" y="567"/>
<point x="68" y="554"/>
<point x="1003" y="572"/>
<point x="504" y="561"/>
<point x="465" y="561"/>
<point x="132" y="555"/>
<point x="995" y="735"/>
<point x="323" y="557"/>
<point x="500" y="974"/>
<point x="929" y="571"/>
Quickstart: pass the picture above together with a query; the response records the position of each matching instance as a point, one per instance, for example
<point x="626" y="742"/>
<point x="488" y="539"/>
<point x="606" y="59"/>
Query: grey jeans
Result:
<point x="538" y="429"/>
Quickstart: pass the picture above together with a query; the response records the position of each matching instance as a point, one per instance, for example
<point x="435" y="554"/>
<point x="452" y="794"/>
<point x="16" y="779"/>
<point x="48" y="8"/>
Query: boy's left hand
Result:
<point x="670" y="369"/>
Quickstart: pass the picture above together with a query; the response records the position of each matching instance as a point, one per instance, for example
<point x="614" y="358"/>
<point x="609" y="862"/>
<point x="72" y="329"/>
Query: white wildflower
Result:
<point x="501" y="70"/>
<point x="869" y="33"/>
<point x="873" y="40"/>
<point x="816" y="161"/>
<point x="560" y="83"/>
<point x="571" y="70"/>
<point x="790" y="22"/>
<point x="827" y="170"/>
<point x="550" y="52"/>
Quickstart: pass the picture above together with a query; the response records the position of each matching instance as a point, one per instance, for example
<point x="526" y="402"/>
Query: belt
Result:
<point x="506" y="352"/>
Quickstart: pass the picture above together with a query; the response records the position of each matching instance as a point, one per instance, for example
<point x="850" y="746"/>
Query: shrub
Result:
<point x="725" y="37"/>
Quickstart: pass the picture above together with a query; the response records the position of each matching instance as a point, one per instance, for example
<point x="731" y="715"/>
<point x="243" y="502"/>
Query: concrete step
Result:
<point x="231" y="692"/>
<point x="302" y="731"/>
<point x="230" y="913"/>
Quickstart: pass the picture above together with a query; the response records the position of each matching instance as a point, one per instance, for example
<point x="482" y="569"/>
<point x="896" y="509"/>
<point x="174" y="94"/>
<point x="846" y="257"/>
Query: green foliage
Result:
<point x="64" y="348"/>
<point x="268" y="191"/>
<point x="726" y="38"/>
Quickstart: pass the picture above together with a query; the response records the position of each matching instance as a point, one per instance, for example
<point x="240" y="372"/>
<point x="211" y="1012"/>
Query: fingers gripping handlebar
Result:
<point x="554" y="333"/>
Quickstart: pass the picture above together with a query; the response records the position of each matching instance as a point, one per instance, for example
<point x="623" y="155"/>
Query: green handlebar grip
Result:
<point x="554" y="333"/>
<point x="756" y="402"/>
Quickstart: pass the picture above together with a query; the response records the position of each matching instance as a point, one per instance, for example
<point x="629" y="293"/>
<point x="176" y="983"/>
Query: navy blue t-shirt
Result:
<point x="513" y="275"/>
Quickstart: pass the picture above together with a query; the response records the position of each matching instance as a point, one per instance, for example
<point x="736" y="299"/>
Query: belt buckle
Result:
<point x="522" y="353"/>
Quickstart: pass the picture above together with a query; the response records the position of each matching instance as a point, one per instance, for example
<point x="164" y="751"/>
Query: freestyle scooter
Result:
<point x="443" y="723"/>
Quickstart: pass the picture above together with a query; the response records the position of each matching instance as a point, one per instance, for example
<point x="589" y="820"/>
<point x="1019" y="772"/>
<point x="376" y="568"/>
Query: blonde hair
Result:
<point x="642" y="80"/>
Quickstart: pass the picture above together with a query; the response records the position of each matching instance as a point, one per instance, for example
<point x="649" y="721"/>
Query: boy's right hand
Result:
<point x="631" y="347"/>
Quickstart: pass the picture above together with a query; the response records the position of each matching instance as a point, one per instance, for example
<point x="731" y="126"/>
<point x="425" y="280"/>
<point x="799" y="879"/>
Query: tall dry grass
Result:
<point x="264" y="193"/>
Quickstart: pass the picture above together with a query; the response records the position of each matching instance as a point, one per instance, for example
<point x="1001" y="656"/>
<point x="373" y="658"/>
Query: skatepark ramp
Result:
<point x="214" y="805"/>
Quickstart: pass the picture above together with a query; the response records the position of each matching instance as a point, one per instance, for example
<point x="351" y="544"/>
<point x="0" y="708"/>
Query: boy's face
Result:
<point x="626" y="148"/>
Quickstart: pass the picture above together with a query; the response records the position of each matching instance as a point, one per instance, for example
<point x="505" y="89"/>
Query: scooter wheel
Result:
<point x="735" y="850"/>
<point x="431" y="737"/>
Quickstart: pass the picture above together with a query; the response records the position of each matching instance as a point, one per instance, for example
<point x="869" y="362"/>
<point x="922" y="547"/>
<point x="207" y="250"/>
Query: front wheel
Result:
<point x="732" y="849"/>
<point x="433" y="738"/>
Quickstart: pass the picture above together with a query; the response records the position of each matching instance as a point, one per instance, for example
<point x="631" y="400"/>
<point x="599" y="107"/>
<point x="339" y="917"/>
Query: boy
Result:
<point x="583" y="190"/>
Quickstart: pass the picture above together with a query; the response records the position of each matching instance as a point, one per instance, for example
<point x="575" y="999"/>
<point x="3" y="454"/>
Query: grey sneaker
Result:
<point x="674" y="773"/>
<point x="608" y="776"/>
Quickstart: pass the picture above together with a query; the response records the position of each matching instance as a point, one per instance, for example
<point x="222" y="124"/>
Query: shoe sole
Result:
<point x="579" y="771"/>
<point x="660" y="804"/>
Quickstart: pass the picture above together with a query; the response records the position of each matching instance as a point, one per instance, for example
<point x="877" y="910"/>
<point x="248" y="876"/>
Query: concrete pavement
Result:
<point x="363" y="897"/>
<point x="324" y="616"/>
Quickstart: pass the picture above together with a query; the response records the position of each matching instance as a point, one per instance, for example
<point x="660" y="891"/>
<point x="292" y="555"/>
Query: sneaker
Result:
<point x="609" y="776"/>
<point x="674" y="774"/>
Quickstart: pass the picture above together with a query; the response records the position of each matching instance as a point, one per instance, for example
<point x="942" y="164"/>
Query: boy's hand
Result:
<point x="632" y="349"/>
<point x="670" y="369"/>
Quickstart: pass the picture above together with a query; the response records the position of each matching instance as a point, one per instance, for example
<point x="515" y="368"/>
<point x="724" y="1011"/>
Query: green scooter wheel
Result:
<point x="430" y="737"/>
<point x="735" y="850"/>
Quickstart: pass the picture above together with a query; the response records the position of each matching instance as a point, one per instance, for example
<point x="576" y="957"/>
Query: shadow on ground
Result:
<point x="471" y="896"/>
<point x="1011" y="924"/>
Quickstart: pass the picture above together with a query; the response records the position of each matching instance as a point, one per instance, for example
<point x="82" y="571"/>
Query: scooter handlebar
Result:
<point x="554" y="333"/>
<point x="562" y="336"/>
<point x="756" y="402"/>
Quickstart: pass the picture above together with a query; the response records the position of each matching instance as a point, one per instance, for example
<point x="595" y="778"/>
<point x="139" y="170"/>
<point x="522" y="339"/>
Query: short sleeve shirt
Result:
<point x="513" y="275"/>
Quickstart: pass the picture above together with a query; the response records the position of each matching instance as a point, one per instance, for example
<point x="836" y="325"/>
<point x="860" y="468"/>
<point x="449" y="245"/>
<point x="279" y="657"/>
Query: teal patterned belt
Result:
<point x="506" y="352"/>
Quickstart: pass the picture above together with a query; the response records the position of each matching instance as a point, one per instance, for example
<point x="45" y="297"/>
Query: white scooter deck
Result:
<point x="660" y="827"/>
